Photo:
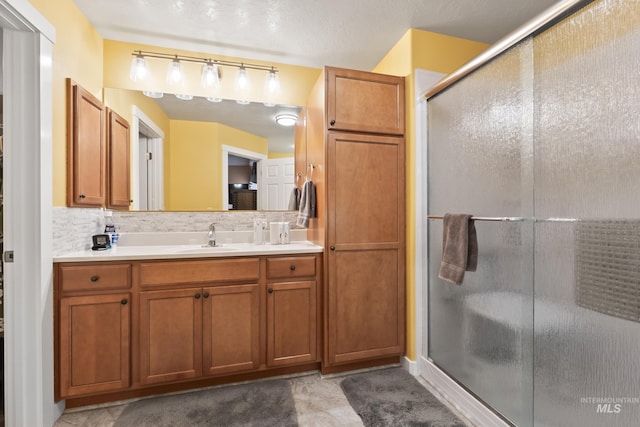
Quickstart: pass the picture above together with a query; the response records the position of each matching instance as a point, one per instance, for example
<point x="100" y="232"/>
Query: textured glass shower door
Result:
<point x="547" y="331"/>
<point x="481" y="163"/>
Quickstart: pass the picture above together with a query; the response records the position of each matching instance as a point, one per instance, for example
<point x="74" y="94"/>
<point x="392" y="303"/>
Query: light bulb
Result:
<point x="210" y="75"/>
<point x="242" y="80"/>
<point x="184" y="96"/>
<point x="174" y="73"/>
<point x="272" y="83"/>
<point x="139" y="68"/>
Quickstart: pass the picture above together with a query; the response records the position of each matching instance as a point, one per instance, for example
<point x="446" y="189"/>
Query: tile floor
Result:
<point x="319" y="402"/>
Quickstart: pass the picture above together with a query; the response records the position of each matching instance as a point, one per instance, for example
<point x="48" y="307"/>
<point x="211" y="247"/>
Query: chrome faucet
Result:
<point x="212" y="235"/>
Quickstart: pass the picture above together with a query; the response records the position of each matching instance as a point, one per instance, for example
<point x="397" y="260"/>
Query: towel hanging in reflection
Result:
<point x="459" y="247"/>
<point x="294" y="199"/>
<point x="307" y="204"/>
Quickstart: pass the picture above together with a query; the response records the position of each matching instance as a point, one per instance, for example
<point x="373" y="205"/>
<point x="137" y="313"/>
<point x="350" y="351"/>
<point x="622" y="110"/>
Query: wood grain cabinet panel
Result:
<point x="86" y="148"/>
<point x="231" y="329"/>
<point x="170" y="335"/>
<point x="94" y="344"/>
<point x="94" y="277"/>
<point x="291" y="323"/>
<point x="364" y="102"/>
<point x="119" y="191"/>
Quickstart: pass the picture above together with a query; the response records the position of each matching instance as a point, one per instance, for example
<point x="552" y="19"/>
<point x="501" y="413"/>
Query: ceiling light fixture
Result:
<point x="211" y="73"/>
<point x="286" y="119"/>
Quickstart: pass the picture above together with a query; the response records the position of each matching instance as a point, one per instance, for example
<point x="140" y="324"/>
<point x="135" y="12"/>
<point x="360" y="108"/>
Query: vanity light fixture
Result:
<point x="286" y="119"/>
<point x="214" y="99"/>
<point x="211" y="73"/>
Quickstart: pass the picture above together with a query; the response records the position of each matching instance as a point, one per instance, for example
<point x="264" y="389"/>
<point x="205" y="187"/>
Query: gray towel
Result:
<point x="459" y="247"/>
<point x="294" y="199"/>
<point x="307" y="204"/>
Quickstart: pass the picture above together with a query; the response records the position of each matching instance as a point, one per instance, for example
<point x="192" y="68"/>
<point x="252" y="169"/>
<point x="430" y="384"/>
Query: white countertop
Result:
<point x="142" y="252"/>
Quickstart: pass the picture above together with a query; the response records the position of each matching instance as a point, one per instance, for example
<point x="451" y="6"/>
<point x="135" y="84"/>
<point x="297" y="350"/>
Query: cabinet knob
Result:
<point x="293" y="267"/>
<point x="333" y="248"/>
<point x="95" y="278"/>
<point x="332" y="122"/>
<point x="197" y="296"/>
<point x="206" y="295"/>
<point x="82" y="196"/>
<point x="124" y="302"/>
<point x="270" y="290"/>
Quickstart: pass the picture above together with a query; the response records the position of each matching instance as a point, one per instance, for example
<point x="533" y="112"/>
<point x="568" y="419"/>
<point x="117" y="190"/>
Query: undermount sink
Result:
<point x="206" y="249"/>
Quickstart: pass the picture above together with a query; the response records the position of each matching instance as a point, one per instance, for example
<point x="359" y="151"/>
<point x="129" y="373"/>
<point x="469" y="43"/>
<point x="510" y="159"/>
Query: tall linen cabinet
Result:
<point x="356" y="158"/>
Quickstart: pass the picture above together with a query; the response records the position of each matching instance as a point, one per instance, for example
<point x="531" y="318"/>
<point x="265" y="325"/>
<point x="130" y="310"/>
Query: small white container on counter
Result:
<point x="279" y="233"/>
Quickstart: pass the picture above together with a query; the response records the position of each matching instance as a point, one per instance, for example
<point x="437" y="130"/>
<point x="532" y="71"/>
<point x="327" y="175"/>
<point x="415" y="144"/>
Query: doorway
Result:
<point x="148" y="164"/>
<point x="256" y="160"/>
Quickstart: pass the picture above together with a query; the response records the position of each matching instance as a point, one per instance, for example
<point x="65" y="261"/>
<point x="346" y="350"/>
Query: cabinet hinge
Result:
<point x="149" y="156"/>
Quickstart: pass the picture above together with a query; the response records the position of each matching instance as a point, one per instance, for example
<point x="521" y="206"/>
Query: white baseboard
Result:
<point x="410" y="366"/>
<point x="458" y="397"/>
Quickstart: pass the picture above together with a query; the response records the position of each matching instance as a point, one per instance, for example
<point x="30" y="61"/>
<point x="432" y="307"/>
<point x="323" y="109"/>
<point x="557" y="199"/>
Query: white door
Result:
<point x="280" y="182"/>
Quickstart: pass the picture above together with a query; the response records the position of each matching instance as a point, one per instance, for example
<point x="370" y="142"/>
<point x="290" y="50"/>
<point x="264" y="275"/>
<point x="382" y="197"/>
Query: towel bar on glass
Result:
<point x="482" y="218"/>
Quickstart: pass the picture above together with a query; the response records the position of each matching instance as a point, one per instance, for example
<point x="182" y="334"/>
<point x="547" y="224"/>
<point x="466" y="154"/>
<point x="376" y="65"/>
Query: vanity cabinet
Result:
<point x="129" y="329"/>
<point x="292" y="300"/>
<point x="93" y="345"/>
<point x="355" y="128"/>
<point x="86" y="148"/>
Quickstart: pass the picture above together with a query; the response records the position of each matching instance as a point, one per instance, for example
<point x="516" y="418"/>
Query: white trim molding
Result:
<point x="28" y="285"/>
<point x="142" y="123"/>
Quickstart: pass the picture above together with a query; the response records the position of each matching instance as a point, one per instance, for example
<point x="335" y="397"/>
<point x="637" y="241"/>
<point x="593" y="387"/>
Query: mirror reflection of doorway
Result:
<point x="148" y="164"/>
<point x="243" y="183"/>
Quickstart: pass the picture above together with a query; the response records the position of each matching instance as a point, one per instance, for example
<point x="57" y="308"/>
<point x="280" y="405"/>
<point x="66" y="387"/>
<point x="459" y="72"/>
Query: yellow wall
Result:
<point x="295" y="81"/>
<point x="279" y="155"/>
<point x="433" y="52"/>
<point x="196" y="162"/>
<point x="77" y="54"/>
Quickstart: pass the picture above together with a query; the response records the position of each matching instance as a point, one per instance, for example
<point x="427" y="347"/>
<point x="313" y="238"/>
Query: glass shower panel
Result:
<point x="587" y="272"/>
<point x="480" y="162"/>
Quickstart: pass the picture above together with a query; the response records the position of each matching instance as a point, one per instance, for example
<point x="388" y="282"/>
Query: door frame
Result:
<point x="261" y="172"/>
<point x="28" y="195"/>
<point x="156" y="138"/>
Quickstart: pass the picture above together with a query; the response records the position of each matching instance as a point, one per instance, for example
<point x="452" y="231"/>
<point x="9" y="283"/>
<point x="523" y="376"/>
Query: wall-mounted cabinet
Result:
<point x="86" y="148"/>
<point x="118" y="138"/>
<point x="98" y="170"/>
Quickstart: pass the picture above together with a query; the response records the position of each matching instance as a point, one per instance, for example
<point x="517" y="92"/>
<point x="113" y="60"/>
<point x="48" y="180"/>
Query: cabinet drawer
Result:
<point x="170" y="273"/>
<point x="95" y="277"/>
<point x="283" y="267"/>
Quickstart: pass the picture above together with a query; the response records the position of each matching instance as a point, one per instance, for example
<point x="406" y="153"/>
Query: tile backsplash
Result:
<point x="73" y="227"/>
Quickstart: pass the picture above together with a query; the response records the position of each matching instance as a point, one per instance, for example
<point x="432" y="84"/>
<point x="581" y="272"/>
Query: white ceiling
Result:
<point x="343" y="33"/>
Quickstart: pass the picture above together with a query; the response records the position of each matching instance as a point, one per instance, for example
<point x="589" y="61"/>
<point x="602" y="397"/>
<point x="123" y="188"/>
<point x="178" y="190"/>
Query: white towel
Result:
<point x="307" y="204"/>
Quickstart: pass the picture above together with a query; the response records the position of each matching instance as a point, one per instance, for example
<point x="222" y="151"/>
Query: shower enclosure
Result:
<point x="545" y="137"/>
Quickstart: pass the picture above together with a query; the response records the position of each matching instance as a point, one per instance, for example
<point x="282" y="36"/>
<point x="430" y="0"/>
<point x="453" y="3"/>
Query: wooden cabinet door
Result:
<point x="170" y="335"/>
<point x="291" y="323"/>
<point x="94" y="344"/>
<point x="86" y="148"/>
<point x="119" y="166"/>
<point x="366" y="237"/>
<point x="365" y="102"/>
<point x="231" y="329"/>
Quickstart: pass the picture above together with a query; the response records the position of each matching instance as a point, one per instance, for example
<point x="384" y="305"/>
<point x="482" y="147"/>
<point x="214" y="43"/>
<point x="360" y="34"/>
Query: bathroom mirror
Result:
<point x="204" y="147"/>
